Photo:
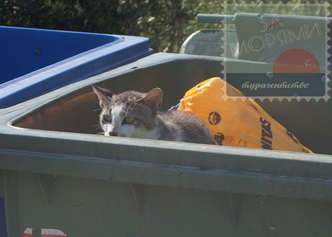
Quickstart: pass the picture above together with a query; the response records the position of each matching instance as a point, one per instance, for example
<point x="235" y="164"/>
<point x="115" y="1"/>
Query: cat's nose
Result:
<point x="113" y="133"/>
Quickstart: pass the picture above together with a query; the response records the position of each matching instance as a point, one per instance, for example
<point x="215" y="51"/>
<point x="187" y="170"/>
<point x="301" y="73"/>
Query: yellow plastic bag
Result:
<point x="237" y="122"/>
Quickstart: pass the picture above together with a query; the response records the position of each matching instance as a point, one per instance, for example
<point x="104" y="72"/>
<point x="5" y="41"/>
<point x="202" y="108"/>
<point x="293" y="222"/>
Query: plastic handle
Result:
<point x="215" y="18"/>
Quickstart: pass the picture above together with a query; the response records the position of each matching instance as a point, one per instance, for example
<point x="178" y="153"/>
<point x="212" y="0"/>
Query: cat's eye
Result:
<point x="128" y="120"/>
<point x="107" y="118"/>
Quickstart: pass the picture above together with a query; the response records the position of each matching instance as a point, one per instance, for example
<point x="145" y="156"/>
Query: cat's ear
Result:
<point x="154" y="98"/>
<point x="103" y="94"/>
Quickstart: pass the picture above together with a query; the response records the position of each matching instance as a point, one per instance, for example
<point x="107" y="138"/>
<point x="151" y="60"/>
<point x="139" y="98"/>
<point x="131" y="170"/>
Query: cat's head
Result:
<point x="129" y="114"/>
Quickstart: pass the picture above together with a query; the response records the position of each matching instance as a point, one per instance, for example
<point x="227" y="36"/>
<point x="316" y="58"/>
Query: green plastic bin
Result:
<point x="279" y="49"/>
<point x="254" y="39"/>
<point x="59" y="176"/>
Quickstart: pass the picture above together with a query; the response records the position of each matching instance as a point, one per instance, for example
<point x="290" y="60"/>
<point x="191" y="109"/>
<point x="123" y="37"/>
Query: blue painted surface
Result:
<point x="34" y="61"/>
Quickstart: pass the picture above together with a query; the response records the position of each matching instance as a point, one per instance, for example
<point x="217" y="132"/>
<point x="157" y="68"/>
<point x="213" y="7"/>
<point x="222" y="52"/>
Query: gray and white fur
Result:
<point x="135" y="114"/>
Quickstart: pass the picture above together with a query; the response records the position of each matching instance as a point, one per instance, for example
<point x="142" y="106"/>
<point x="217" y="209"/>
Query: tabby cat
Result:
<point x="135" y="114"/>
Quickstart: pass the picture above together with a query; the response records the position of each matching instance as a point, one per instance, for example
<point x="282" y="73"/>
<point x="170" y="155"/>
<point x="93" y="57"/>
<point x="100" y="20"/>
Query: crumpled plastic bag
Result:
<point x="237" y="122"/>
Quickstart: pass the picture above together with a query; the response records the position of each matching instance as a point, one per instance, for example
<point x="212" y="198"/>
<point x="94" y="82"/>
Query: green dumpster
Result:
<point x="62" y="178"/>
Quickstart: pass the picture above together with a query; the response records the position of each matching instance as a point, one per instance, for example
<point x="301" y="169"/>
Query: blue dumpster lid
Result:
<point x="36" y="61"/>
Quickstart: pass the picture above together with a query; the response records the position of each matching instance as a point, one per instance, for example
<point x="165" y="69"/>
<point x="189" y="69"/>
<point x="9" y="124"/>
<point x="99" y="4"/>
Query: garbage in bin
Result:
<point x="239" y="122"/>
<point x="36" y="61"/>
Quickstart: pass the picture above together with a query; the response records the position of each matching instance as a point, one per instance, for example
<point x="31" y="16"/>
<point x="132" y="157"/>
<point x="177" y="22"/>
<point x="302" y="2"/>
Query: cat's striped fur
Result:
<point x="135" y="114"/>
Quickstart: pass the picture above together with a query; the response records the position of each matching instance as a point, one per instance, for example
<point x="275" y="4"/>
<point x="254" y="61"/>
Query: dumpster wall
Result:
<point x="86" y="207"/>
<point x="59" y="175"/>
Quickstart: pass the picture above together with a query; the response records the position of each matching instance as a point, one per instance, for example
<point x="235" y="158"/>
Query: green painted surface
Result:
<point x="60" y="175"/>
